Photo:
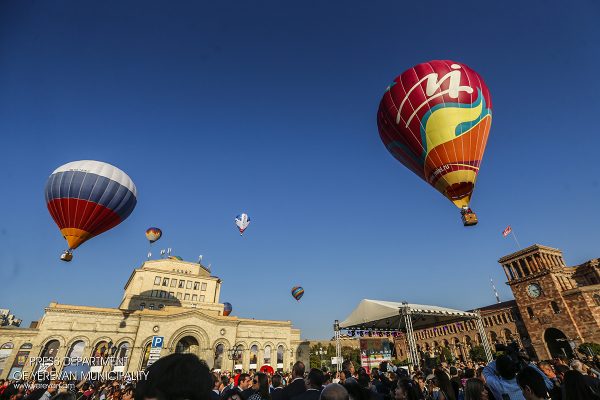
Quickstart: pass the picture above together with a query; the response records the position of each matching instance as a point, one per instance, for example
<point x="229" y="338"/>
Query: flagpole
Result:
<point x="515" y="237"/>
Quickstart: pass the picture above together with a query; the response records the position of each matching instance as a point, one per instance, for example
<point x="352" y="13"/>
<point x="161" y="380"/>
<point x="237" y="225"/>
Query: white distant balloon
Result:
<point x="242" y="221"/>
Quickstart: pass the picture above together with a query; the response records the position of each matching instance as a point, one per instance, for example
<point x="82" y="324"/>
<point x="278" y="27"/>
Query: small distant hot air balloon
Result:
<point x="153" y="234"/>
<point x="435" y="119"/>
<point x="227" y="309"/>
<point x="242" y="221"/>
<point x="86" y="198"/>
<point x="297" y="292"/>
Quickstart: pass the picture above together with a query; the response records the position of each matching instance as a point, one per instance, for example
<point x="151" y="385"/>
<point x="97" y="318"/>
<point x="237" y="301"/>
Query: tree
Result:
<point x="447" y="354"/>
<point x="349" y="353"/>
<point x="477" y="353"/>
<point x="589" y="349"/>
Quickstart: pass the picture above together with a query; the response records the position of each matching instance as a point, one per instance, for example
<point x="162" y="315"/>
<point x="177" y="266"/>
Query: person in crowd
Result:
<point x="532" y="384"/>
<point x="475" y="390"/>
<point x="314" y="383"/>
<point x="335" y="391"/>
<point x="455" y="381"/>
<point x="297" y="385"/>
<point x="260" y="387"/>
<point x="591" y="381"/>
<point x="345" y="374"/>
<point x="128" y="393"/>
<point x="243" y="389"/>
<point x="501" y="378"/>
<point x="215" y="394"/>
<point x="420" y="380"/>
<point x="277" y="391"/>
<point x="441" y="382"/>
<point x="407" y="389"/>
<point x="347" y="365"/>
<point x="176" y="377"/>
<point x="576" y="387"/>
<point x="226" y="382"/>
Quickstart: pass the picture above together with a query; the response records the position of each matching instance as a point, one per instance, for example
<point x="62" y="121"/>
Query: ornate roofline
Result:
<point x="528" y="250"/>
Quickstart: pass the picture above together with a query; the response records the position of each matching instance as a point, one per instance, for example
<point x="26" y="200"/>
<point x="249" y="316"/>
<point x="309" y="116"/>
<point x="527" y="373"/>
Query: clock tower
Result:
<point x="543" y="287"/>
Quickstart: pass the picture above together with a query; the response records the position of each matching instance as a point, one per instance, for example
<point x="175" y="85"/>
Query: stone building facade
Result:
<point x="502" y="323"/>
<point x="560" y="305"/>
<point x="169" y="298"/>
<point x="556" y="308"/>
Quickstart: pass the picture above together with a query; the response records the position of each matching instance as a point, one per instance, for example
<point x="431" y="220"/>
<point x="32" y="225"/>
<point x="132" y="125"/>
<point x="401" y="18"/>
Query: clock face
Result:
<point x="534" y="290"/>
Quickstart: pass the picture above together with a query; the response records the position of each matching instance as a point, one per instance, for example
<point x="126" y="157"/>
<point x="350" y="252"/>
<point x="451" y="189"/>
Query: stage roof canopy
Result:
<point x="387" y="315"/>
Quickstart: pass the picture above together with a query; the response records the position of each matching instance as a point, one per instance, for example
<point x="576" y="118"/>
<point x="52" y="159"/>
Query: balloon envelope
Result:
<point x="153" y="234"/>
<point x="227" y="309"/>
<point x="297" y="292"/>
<point x="242" y="221"/>
<point x="86" y="198"/>
<point x="435" y="119"/>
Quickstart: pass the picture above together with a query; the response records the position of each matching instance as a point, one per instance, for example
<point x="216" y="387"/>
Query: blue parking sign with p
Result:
<point x="157" y="341"/>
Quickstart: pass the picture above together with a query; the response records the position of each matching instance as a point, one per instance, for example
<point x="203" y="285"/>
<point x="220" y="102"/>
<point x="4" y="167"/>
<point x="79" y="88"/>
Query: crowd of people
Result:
<point x="185" y="377"/>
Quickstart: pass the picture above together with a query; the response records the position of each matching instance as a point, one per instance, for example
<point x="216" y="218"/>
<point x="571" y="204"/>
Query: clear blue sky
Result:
<point x="214" y="108"/>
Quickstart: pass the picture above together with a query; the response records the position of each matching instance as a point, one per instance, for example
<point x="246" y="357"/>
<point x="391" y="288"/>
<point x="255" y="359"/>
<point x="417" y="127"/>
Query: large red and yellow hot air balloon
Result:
<point x="435" y="119"/>
<point x="86" y="198"/>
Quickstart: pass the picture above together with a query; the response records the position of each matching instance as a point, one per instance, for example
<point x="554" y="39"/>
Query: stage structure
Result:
<point x="388" y="318"/>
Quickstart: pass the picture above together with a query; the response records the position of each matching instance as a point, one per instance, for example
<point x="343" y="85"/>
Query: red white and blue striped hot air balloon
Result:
<point x="86" y="198"/>
<point x="297" y="292"/>
<point x="227" y="308"/>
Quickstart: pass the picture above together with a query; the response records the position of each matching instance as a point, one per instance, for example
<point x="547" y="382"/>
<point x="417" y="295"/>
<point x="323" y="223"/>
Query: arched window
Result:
<point x="493" y="337"/>
<point x="219" y="350"/>
<point x="597" y="299"/>
<point x="76" y="350"/>
<point x="253" y="356"/>
<point x="122" y="353"/>
<point x="5" y="352"/>
<point x="280" y="357"/>
<point x="267" y="357"/>
<point x="555" y="307"/>
<point x="146" y="357"/>
<point x="49" y="352"/>
<point x="530" y="313"/>
<point x="21" y="359"/>
<point x="99" y="353"/>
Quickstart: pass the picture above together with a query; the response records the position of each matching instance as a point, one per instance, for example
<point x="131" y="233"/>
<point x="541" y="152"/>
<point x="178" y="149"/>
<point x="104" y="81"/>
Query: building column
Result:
<point x="535" y="262"/>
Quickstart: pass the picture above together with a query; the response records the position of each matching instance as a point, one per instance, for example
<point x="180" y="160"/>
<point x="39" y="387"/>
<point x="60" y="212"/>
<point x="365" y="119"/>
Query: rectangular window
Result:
<point x="189" y="285"/>
<point x="163" y="293"/>
<point x="187" y="296"/>
<point x="181" y="284"/>
<point x="203" y="286"/>
<point x="157" y="280"/>
<point x="171" y="295"/>
<point x="165" y="281"/>
<point x="202" y="298"/>
<point x="194" y="297"/>
<point x="173" y="282"/>
<point x="196" y="285"/>
<point x="179" y="295"/>
<point x="153" y="293"/>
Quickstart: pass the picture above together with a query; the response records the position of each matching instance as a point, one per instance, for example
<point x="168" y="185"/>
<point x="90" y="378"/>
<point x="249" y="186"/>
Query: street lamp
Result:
<point x="321" y="352"/>
<point x="235" y="353"/>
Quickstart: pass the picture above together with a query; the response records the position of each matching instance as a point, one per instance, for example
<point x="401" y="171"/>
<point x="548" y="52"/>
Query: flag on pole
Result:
<point x="507" y="231"/>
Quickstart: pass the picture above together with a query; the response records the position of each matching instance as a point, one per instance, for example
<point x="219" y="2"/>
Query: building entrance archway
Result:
<point x="557" y="343"/>
<point x="187" y="344"/>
